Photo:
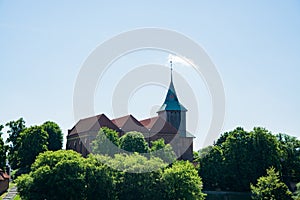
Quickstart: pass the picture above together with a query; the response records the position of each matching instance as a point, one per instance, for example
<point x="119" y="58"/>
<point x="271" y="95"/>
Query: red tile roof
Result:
<point x="123" y="124"/>
<point x="92" y="124"/>
<point x="129" y="123"/>
<point x="148" y="123"/>
<point x="158" y="124"/>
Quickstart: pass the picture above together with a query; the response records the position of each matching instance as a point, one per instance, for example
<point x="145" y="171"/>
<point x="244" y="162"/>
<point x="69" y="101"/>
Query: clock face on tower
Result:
<point x="172" y="96"/>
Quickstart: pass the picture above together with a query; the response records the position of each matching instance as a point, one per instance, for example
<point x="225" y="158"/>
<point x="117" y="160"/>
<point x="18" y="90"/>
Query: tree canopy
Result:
<point x="100" y="179"/>
<point x="64" y="174"/>
<point x="163" y="151"/>
<point x="106" y="142"/>
<point x="3" y="149"/>
<point x="14" y="130"/>
<point x="270" y="187"/>
<point x="233" y="153"/>
<point x="181" y="181"/>
<point x="26" y="143"/>
<point x="55" y="139"/>
<point x="134" y="142"/>
<point x="296" y="195"/>
<point x="34" y="140"/>
<point x="138" y="176"/>
<point x="54" y="175"/>
<point x="290" y="161"/>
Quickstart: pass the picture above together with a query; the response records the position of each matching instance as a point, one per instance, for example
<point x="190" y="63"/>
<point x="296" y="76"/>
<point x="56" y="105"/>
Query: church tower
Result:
<point x="172" y="111"/>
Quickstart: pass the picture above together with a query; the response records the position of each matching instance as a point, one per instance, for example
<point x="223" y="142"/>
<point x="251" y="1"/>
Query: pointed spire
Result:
<point x="171" y="102"/>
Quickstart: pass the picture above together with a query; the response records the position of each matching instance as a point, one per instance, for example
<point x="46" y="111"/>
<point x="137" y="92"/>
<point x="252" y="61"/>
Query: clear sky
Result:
<point x="255" y="46"/>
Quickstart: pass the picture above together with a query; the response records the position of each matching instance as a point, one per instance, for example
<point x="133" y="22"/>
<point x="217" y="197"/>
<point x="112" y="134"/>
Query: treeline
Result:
<point x="65" y="174"/>
<point x="25" y="143"/>
<point x="108" y="142"/>
<point x="140" y="172"/>
<point x="255" y="161"/>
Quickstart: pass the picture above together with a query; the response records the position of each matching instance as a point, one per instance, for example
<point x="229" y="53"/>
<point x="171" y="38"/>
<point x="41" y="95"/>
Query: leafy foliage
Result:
<point x="34" y="140"/>
<point x="163" y="151"/>
<point x="138" y="176"/>
<point x="296" y="195"/>
<point x="106" y="142"/>
<point x="181" y="181"/>
<point x="233" y="153"/>
<point x="134" y="142"/>
<point x="211" y="169"/>
<point x="290" y="147"/>
<point x="64" y="174"/>
<point x="3" y="149"/>
<point x="135" y="163"/>
<point x="270" y="187"/>
<point x="55" y="175"/>
<point x="100" y="182"/>
<point x="50" y="158"/>
<point x="55" y="139"/>
<point x="15" y="129"/>
<point x="205" y="151"/>
<point x="26" y="143"/>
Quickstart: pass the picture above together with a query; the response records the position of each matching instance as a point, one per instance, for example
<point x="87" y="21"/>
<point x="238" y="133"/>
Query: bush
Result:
<point x="64" y="174"/>
<point x="134" y="142"/>
<point x="181" y="181"/>
<point x="54" y="175"/>
<point x="270" y="187"/>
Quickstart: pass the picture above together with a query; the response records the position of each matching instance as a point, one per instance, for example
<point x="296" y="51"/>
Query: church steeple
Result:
<point x="171" y="101"/>
<point x="171" y="110"/>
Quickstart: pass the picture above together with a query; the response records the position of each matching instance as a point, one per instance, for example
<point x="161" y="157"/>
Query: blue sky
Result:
<point x="255" y="46"/>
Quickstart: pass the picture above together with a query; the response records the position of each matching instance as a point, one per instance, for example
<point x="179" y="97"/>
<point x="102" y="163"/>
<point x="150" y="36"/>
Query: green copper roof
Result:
<point x="171" y="101"/>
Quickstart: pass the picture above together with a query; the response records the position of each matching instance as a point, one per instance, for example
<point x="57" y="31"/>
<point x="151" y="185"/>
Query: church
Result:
<point x="169" y="124"/>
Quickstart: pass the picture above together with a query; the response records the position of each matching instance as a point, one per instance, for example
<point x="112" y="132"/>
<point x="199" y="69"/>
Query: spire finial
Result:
<point x="171" y="65"/>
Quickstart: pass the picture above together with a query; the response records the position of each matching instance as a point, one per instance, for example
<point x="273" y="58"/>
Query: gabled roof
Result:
<point x="92" y="124"/>
<point x="129" y="123"/>
<point x="125" y="124"/>
<point x="171" y="102"/>
<point x="148" y="123"/>
<point x="158" y="124"/>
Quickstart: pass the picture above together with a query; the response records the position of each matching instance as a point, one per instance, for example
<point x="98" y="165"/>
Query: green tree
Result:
<point x="99" y="179"/>
<point x="270" y="187"/>
<point x="3" y="149"/>
<point x="290" y="147"/>
<point x="134" y="142"/>
<point x="212" y="168"/>
<point x="237" y="150"/>
<point x="106" y="142"/>
<point x="51" y="158"/>
<point x="55" y="139"/>
<point x="258" y="149"/>
<point x="163" y="151"/>
<point x="224" y="136"/>
<point x="15" y="129"/>
<point x="181" y="181"/>
<point x="54" y="175"/>
<point x="34" y="140"/>
<point x="134" y="175"/>
<point x="296" y="195"/>
<point x="205" y="151"/>
<point x="138" y="176"/>
<point x="144" y="185"/>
